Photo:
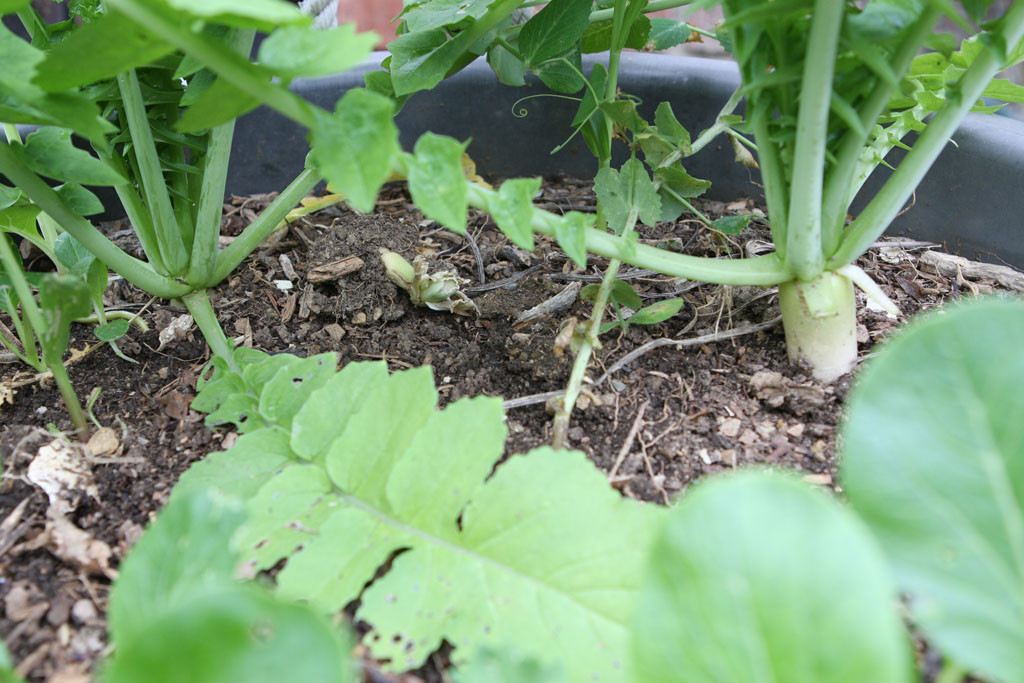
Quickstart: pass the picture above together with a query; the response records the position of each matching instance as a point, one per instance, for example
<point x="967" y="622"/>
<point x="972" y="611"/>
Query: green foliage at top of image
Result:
<point x="341" y="470"/>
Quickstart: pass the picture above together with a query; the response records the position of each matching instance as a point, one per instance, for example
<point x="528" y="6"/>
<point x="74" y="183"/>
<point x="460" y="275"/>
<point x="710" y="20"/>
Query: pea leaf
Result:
<point x="355" y="146"/>
<point x="666" y="33"/>
<point x="437" y="182"/>
<point x="111" y="331"/>
<point x="570" y="233"/>
<point x="754" y="559"/>
<point x="49" y="152"/>
<point x="509" y="69"/>
<point x="303" y="51"/>
<point x="938" y="412"/>
<point x="598" y="36"/>
<point x="562" y="74"/>
<point x="513" y="212"/>
<point x="656" y="313"/>
<point x="731" y="225"/>
<point x="433" y="14"/>
<point x="554" y="30"/>
<point x="621" y="192"/>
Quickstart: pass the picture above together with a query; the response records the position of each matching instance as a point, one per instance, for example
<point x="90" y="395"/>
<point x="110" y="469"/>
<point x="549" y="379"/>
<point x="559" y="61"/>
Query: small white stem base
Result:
<point x="820" y="320"/>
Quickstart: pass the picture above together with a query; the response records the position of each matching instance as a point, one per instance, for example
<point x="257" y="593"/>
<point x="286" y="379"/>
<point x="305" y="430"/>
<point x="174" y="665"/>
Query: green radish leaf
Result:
<point x="8" y="196"/>
<point x="80" y="200"/>
<point x="49" y="152"/>
<point x="570" y="233"/>
<point x="21" y="220"/>
<point x="754" y="559"/>
<point x="177" y="613"/>
<point x="24" y="102"/>
<point x="285" y="393"/>
<point x="98" y="50"/>
<point x="303" y="51"/>
<point x="666" y="33"/>
<point x="389" y="471"/>
<point x="437" y="182"/>
<point x="554" y="30"/>
<point x="489" y="665"/>
<point x="932" y="462"/>
<point x="263" y="15"/>
<point x="72" y="255"/>
<point x="732" y="225"/>
<point x="513" y="212"/>
<point x="657" y="313"/>
<point x="62" y="298"/>
<point x="1004" y="90"/>
<point x="355" y="146"/>
<point x="111" y="331"/>
<point x="213" y="103"/>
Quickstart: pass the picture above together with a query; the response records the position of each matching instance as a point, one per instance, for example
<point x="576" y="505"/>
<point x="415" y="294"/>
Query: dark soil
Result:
<point x="672" y="415"/>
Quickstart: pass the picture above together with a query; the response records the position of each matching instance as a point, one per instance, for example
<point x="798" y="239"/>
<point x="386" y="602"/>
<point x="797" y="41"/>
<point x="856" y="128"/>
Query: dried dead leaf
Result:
<point x="335" y="269"/>
<point x="103" y="441"/>
<point x="63" y="472"/>
<point x="77" y="547"/>
<point x="175" y="330"/>
<point x="24" y="601"/>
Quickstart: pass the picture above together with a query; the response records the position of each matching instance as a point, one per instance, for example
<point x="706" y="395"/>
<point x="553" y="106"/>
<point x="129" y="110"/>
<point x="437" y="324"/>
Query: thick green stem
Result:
<point x="803" y="237"/>
<point x="139" y="273"/>
<point x="774" y="178"/>
<point x="31" y="319"/>
<point x="211" y="199"/>
<point x="198" y="305"/>
<point x="840" y="187"/>
<point x="154" y="185"/>
<point x="265" y="223"/>
<point x="137" y="214"/>
<point x="820" y="320"/>
<point x="889" y="201"/>
<point x="220" y="59"/>
<point x="764" y="270"/>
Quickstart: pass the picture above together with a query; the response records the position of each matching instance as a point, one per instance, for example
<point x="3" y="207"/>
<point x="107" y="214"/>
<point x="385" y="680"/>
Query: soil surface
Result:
<point x="709" y="389"/>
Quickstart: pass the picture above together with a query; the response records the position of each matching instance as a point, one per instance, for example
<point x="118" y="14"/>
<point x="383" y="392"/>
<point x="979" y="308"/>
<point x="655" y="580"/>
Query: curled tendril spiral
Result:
<point x="521" y="112"/>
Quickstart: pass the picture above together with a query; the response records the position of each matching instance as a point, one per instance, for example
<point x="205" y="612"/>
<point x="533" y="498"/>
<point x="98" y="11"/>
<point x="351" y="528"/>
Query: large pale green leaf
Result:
<point x="487" y="561"/>
<point x="355" y="146"/>
<point x="303" y="51"/>
<point x="666" y="33"/>
<point x="933" y="460"/>
<point x="554" y="30"/>
<point x="214" y="103"/>
<point x="101" y="49"/>
<point x="50" y="152"/>
<point x="178" y="614"/>
<point x="8" y="7"/>
<point x="757" y="577"/>
<point x="437" y="182"/>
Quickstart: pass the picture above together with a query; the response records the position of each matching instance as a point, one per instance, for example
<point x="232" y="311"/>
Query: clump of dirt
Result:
<point x="709" y="389"/>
